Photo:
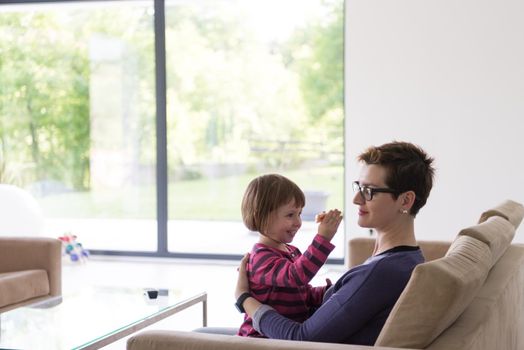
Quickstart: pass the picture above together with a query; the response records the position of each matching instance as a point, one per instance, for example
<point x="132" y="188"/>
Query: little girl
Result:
<point x="279" y="274"/>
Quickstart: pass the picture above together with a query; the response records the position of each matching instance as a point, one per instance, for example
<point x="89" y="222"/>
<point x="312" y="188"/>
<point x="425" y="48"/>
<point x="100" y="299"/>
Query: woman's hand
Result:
<point x="250" y="304"/>
<point x="242" y="280"/>
<point x="329" y="223"/>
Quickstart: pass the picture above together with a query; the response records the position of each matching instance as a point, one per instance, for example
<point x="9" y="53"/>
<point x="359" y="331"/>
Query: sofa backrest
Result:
<point x="509" y="210"/>
<point x="439" y="291"/>
<point x="496" y="232"/>
<point x="495" y="317"/>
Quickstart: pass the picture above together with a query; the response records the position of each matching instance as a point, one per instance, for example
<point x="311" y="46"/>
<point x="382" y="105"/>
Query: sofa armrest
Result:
<point x="32" y="253"/>
<point x="361" y="248"/>
<point x="160" y="340"/>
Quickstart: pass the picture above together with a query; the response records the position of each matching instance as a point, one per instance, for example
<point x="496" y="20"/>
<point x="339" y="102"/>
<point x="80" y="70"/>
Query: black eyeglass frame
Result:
<point x="371" y="190"/>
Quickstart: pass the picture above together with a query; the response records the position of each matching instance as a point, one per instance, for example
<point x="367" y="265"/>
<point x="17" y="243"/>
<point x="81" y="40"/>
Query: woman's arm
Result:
<point x="361" y="296"/>
<point x="334" y="321"/>
<point x="266" y="319"/>
<point x="250" y="304"/>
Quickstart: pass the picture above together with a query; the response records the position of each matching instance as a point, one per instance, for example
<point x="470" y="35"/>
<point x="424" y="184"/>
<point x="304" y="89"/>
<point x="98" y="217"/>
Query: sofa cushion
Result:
<point x="437" y="293"/>
<point x="19" y="286"/>
<point x="496" y="232"/>
<point x="495" y="317"/>
<point x="180" y="340"/>
<point x="510" y="210"/>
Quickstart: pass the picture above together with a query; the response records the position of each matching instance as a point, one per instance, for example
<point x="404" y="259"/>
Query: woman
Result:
<point x="394" y="183"/>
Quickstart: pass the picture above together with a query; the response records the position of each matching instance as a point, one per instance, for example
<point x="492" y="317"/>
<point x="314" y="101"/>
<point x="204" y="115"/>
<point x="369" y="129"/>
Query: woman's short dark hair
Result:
<point x="408" y="168"/>
<point x="266" y="194"/>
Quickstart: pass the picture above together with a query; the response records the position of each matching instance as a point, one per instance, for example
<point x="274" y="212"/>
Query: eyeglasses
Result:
<point x="368" y="192"/>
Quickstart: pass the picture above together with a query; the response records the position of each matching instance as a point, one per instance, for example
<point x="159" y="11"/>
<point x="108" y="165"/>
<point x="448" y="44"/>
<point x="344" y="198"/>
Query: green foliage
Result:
<point x="316" y="53"/>
<point x="227" y="91"/>
<point x="45" y="98"/>
<point x="44" y="102"/>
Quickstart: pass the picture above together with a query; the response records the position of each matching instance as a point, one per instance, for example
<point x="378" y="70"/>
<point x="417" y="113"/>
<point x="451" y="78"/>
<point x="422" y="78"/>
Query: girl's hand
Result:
<point x="329" y="223"/>
<point x="242" y="280"/>
<point x="320" y="217"/>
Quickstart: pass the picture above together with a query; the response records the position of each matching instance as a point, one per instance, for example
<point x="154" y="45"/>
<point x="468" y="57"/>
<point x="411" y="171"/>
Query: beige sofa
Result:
<point x="30" y="271"/>
<point x="468" y="295"/>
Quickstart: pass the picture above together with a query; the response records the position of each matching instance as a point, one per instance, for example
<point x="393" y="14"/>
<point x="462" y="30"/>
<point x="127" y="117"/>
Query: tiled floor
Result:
<point x="217" y="278"/>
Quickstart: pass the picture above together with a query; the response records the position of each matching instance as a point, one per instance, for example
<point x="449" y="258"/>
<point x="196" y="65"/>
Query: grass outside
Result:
<point x="201" y="199"/>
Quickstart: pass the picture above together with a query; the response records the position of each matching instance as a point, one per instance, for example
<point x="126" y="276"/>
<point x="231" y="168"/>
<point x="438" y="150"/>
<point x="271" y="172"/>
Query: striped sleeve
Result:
<point x="270" y="268"/>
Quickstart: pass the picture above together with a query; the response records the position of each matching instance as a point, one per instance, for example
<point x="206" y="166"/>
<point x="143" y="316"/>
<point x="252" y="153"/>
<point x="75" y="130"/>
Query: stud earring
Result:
<point x="404" y="211"/>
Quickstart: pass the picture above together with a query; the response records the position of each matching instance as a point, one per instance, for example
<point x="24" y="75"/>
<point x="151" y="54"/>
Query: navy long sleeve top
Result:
<point x="355" y="308"/>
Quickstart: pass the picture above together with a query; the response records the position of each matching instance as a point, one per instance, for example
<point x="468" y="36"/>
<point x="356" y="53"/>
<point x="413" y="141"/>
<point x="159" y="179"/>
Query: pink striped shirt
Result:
<point x="281" y="279"/>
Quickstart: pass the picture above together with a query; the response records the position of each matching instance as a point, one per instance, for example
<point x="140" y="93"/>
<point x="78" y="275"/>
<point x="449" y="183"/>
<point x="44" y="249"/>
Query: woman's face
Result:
<point x="383" y="210"/>
<point x="285" y="222"/>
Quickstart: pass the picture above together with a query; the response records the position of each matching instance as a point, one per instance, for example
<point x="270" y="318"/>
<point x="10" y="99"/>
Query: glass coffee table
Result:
<point x="91" y="318"/>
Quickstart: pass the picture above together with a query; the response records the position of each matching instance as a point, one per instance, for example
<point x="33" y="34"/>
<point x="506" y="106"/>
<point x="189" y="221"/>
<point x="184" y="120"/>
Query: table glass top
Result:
<point x="82" y="317"/>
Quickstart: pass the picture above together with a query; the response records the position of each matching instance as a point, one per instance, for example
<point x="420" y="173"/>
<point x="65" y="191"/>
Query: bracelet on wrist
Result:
<point x="240" y="302"/>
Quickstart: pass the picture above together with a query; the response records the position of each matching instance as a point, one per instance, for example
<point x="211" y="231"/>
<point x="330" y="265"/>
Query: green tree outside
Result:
<point x="215" y="112"/>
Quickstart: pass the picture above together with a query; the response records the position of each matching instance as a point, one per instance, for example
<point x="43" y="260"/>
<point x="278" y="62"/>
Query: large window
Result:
<point x="252" y="87"/>
<point x="77" y="118"/>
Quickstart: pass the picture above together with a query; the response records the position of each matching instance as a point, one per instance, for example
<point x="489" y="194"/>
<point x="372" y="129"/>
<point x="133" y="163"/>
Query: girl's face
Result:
<point x="382" y="211"/>
<point x="285" y="222"/>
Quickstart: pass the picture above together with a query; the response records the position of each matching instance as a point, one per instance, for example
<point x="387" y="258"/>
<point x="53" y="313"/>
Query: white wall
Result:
<point x="449" y="76"/>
